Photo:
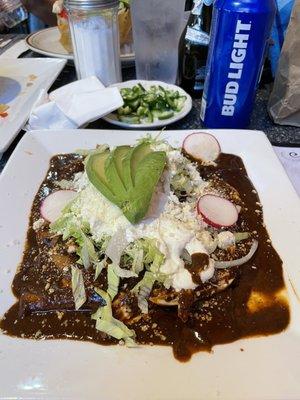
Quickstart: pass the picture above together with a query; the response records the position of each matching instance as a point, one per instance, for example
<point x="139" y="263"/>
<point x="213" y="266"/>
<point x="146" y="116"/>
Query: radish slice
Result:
<point x="202" y="146"/>
<point x="53" y="204"/>
<point x="217" y="211"/>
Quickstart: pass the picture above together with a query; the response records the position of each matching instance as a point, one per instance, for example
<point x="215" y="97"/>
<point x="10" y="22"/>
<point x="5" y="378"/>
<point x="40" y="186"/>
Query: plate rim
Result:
<point x="125" y="58"/>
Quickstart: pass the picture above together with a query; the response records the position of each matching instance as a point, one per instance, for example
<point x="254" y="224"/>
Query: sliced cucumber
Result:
<point x="143" y="106"/>
<point x="129" y="119"/>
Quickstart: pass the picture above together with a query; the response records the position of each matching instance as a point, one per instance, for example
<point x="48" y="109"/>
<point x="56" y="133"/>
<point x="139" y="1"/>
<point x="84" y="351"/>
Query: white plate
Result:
<point x="268" y="368"/>
<point x="30" y="76"/>
<point x="47" y="42"/>
<point x="113" y="119"/>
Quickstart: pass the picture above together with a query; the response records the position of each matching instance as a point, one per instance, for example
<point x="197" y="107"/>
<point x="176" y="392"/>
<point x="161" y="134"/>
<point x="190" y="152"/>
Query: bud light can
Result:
<point x="239" y="38"/>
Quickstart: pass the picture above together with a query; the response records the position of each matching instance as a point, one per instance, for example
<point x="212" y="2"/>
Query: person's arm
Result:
<point x="42" y="9"/>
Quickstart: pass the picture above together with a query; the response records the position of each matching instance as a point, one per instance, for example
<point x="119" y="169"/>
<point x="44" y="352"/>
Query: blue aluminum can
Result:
<point x="238" y="43"/>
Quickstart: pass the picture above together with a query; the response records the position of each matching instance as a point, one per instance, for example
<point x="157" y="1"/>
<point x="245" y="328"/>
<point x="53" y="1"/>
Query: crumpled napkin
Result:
<point x="74" y="105"/>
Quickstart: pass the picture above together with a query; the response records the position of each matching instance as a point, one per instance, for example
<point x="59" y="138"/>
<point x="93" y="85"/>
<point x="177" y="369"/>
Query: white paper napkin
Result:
<point x="15" y="50"/>
<point x="74" y="105"/>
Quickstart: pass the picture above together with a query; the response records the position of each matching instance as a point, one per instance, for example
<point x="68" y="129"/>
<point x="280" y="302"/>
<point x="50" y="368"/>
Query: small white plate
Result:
<point x="21" y="82"/>
<point x="268" y="368"/>
<point x="47" y="42"/>
<point x="113" y="119"/>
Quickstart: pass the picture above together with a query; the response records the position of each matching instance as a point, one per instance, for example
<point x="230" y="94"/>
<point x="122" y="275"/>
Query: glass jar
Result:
<point x="95" y="38"/>
<point x="12" y="13"/>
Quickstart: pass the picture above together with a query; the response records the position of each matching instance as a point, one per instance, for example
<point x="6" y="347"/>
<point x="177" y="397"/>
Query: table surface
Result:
<point x="277" y="134"/>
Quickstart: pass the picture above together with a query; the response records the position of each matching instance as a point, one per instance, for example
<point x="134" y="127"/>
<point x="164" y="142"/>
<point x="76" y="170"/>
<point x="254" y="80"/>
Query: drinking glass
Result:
<point x="156" y="31"/>
<point x="12" y="12"/>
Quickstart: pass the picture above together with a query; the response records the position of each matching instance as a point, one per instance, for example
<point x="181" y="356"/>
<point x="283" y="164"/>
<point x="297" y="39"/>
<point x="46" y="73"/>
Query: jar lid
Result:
<point x="89" y="4"/>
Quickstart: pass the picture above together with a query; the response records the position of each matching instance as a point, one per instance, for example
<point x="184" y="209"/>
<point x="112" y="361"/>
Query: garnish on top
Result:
<point x="127" y="176"/>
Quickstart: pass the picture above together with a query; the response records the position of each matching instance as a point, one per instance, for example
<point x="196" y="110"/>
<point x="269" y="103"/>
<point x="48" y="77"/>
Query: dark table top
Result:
<point x="277" y="134"/>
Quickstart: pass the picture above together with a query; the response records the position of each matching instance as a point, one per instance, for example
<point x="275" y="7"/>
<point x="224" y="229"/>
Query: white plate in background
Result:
<point x="21" y="82"/>
<point x="113" y="119"/>
<point x="268" y="368"/>
<point x="47" y="42"/>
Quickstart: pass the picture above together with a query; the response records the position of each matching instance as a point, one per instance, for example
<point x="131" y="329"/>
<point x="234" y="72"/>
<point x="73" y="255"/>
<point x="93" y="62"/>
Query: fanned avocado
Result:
<point x="131" y="161"/>
<point x="143" y="171"/>
<point x="113" y="179"/>
<point x="119" y="155"/>
<point x="95" y="169"/>
<point x="147" y="175"/>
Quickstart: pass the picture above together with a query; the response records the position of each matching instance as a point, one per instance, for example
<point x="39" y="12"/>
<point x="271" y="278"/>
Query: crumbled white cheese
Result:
<point x="175" y="237"/>
<point x="181" y="169"/>
<point x="195" y="246"/>
<point x="208" y="241"/>
<point x="38" y="224"/>
<point x="226" y="239"/>
<point x="183" y="280"/>
<point x="208" y="272"/>
<point x="103" y="217"/>
<point x="80" y="181"/>
<point x="65" y="184"/>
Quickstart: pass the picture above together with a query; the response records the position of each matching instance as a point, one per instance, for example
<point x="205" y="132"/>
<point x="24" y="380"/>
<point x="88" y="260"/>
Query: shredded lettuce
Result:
<point x="99" y="267"/>
<point x="69" y="228"/>
<point x="87" y="251"/>
<point x="105" y="322"/>
<point x="113" y="282"/>
<point x="102" y="244"/>
<point x="152" y="259"/>
<point x="137" y="263"/>
<point x="114" y="273"/>
<point x="144" y="254"/>
<point x="143" y="290"/>
<point x="123" y="273"/>
<point x="116" y="246"/>
<point x="78" y="287"/>
<point x="154" y="141"/>
<point x="99" y="149"/>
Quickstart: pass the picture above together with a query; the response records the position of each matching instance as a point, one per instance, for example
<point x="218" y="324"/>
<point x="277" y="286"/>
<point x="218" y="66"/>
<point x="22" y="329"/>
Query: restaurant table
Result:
<point x="283" y="136"/>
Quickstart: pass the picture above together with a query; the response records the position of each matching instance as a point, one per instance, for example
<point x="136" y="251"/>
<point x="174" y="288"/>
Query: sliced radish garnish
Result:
<point x="217" y="211"/>
<point x="53" y="204"/>
<point x="202" y="146"/>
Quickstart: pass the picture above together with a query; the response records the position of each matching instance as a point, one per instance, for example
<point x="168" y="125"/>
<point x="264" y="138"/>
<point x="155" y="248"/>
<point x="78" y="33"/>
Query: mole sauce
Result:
<point x="255" y="304"/>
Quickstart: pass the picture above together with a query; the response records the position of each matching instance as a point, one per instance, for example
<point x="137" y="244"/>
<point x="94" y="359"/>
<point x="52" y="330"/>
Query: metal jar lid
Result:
<point x="91" y="4"/>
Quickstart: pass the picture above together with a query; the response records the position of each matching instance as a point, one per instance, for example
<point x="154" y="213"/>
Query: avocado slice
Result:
<point x="144" y="167"/>
<point x="95" y="169"/>
<point x="119" y="154"/>
<point x="147" y="175"/>
<point x="113" y="179"/>
<point x="131" y="161"/>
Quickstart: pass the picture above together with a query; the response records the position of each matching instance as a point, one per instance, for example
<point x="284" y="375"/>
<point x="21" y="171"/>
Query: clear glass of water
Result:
<point x="157" y="26"/>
